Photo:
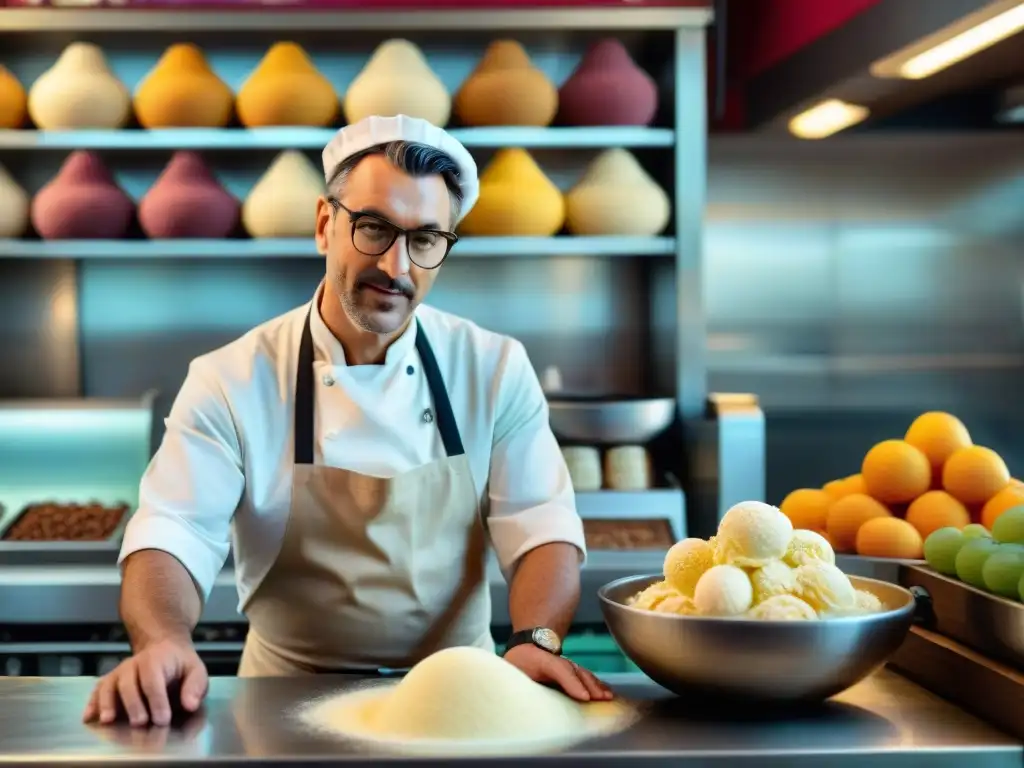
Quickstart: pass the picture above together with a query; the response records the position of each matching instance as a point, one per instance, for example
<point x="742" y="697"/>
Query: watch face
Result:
<point x="548" y="640"/>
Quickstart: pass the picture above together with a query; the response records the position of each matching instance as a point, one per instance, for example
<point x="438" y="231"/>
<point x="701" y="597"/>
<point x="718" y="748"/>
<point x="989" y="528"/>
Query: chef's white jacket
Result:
<point x="223" y="471"/>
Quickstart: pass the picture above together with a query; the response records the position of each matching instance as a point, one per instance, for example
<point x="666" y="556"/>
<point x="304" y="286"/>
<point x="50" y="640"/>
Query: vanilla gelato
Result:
<point x="686" y="562"/>
<point x="650" y="598"/>
<point x="868" y="602"/>
<point x="782" y="608"/>
<point x="808" y="546"/>
<point x="771" y="579"/>
<point x="752" y="534"/>
<point x="825" y="588"/>
<point x="724" y="590"/>
<point x="677" y="604"/>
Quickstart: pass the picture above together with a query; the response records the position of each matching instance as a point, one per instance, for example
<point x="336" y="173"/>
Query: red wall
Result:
<point x="764" y="32"/>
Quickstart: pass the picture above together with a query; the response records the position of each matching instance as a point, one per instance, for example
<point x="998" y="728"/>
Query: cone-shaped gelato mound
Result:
<point x="79" y="91"/>
<point x="13" y="100"/>
<point x="82" y="202"/>
<point x="616" y="196"/>
<point x="465" y="700"/>
<point x="506" y="89"/>
<point x="187" y="201"/>
<point x="516" y="199"/>
<point x="397" y="80"/>
<point x="14" y="206"/>
<point x="182" y="90"/>
<point x="283" y="201"/>
<point x="287" y="89"/>
<point x="608" y="88"/>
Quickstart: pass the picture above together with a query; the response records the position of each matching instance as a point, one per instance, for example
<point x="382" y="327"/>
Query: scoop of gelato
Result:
<point x="723" y="590"/>
<point x="808" y="546"/>
<point x="782" y="608"/>
<point x="867" y="602"/>
<point x="686" y="562"/>
<point x="772" y="578"/>
<point x="653" y="596"/>
<point x="751" y="534"/>
<point x="677" y="604"/>
<point x="825" y="587"/>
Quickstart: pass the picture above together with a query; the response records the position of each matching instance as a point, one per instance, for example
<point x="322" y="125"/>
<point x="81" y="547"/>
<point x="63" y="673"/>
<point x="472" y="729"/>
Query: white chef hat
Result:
<point x="374" y="130"/>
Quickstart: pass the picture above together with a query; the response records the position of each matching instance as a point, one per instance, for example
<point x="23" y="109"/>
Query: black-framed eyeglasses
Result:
<point x="373" y="235"/>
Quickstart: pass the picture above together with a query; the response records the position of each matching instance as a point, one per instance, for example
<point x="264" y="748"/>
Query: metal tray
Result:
<point x="9" y="519"/>
<point x="991" y="625"/>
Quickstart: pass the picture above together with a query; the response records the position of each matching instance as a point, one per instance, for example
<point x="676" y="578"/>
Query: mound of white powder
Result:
<point x="467" y="701"/>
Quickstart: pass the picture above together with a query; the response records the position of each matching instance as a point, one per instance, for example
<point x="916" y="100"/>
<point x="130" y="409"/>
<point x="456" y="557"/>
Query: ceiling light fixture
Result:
<point x="915" y="63"/>
<point x="827" y="118"/>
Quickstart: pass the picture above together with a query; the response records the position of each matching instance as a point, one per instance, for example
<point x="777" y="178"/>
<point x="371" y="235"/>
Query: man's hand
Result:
<point x="545" y="667"/>
<point x="140" y="685"/>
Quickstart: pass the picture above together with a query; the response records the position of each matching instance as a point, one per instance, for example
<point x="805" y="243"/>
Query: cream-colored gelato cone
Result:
<point x="725" y="590"/>
<point x="751" y="534"/>
<point x="616" y="196"/>
<point x="14" y="206"/>
<point x="783" y="608"/>
<point x="283" y="202"/>
<point x="78" y="92"/>
<point x="397" y="80"/>
<point x="685" y="562"/>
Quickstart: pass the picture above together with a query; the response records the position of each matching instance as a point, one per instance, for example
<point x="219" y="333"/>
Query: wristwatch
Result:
<point x="544" y="638"/>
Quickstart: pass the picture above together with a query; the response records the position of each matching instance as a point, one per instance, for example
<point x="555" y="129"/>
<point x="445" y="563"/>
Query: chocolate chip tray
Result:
<point x="986" y="623"/>
<point x="61" y="524"/>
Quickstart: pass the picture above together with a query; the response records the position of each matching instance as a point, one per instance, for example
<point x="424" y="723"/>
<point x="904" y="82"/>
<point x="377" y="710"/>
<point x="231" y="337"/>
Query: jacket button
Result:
<point x="328" y="380"/>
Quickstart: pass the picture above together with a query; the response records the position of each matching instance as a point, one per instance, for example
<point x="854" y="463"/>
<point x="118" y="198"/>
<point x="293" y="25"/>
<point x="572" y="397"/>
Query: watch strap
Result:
<point x="530" y="637"/>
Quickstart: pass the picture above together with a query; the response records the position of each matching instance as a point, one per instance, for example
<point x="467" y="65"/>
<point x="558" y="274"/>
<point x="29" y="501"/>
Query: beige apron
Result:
<point x="373" y="573"/>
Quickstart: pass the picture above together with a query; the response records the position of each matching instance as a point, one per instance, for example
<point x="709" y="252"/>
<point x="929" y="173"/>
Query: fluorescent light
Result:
<point x="826" y="118"/>
<point x="964" y="45"/>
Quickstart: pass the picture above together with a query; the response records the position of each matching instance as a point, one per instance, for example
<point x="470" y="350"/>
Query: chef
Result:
<point x="359" y="452"/>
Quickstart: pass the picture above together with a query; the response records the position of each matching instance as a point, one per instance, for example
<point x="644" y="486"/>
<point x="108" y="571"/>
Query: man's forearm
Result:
<point x="545" y="589"/>
<point x="159" y="600"/>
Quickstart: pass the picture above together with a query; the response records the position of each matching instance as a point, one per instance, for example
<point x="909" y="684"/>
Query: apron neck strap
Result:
<point x="305" y="396"/>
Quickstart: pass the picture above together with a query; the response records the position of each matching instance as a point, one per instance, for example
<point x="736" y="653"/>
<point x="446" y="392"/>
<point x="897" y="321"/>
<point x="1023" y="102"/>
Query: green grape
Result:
<point x="971" y="559"/>
<point x="1004" y="569"/>
<point x="941" y="548"/>
<point x="1009" y="526"/>
<point x="976" y="531"/>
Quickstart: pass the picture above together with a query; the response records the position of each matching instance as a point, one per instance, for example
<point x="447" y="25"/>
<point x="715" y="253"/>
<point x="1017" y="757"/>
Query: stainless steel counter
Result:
<point x="884" y="721"/>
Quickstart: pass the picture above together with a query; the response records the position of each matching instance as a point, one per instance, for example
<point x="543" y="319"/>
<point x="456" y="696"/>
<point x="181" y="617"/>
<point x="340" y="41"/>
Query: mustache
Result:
<point x="378" y="279"/>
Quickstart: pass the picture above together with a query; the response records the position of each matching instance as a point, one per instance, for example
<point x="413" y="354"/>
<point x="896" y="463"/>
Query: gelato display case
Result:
<point x="70" y="470"/>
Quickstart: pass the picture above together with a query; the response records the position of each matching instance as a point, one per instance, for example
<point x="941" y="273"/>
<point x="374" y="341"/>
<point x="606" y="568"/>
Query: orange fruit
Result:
<point x="896" y="472"/>
<point x="934" y="510"/>
<point x="938" y="435"/>
<point x="807" y="508"/>
<point x="844" y="487"/>
<point x="1011" y="496"/>
<point x="846" y="516"/>
<point x="975" y="474"/>
<point x="889" y="537"/>
<point x="1016" y="482"/>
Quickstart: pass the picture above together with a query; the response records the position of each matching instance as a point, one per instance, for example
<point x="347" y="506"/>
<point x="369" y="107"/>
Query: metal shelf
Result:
<point x="476" y="247"/>
<point x="316" y="138"/>
<point x="255" y="18"/>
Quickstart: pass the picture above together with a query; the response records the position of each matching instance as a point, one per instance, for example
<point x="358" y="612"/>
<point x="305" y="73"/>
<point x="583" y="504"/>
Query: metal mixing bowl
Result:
<point x="609" y="420"/>
<point x="792" y="662"/>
